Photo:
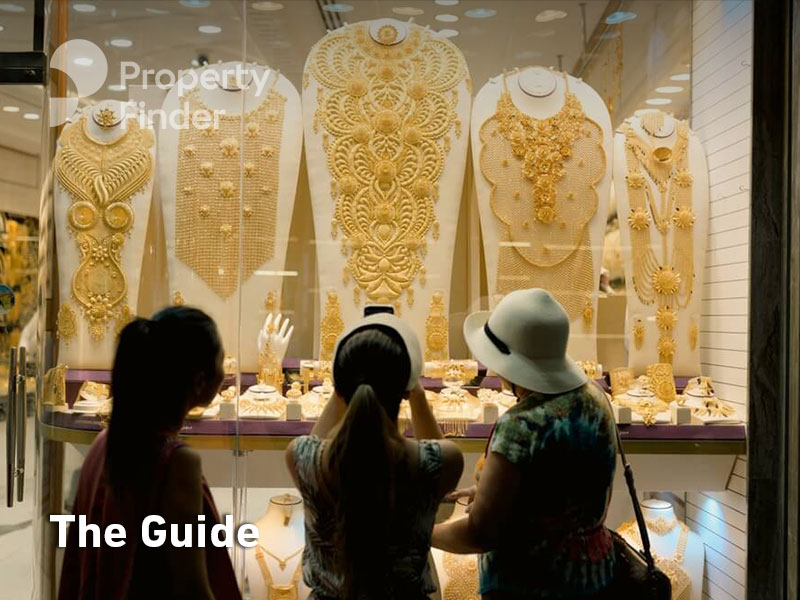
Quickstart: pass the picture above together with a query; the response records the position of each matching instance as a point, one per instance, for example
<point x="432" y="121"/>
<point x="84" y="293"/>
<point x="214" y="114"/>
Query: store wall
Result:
<point x="19" y="177"/>
<point x="721" y="116"/>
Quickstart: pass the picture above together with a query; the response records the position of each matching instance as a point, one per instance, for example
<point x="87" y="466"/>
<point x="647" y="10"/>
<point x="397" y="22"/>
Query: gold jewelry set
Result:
<point x="592" y="369"/>
<point x="659" y="187"/>
<point x="227" y="186"/>
<point x="543" y="175"/>
<point x="386" y="112"/>
<point x="672" y="566"/>
<point x="289" y="591"/>
<point x="101" y="177"/>
<point x="701" y="389"/>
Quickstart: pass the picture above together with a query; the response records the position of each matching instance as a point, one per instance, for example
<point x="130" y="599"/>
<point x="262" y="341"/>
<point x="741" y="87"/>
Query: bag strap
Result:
<point x="637" y="509"/>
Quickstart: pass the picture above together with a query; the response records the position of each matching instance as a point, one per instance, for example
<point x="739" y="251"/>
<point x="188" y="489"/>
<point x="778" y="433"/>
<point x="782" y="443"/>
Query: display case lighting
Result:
<point x="83" y="61"/>
<point x="31" y="117"/>
<point x="480" y="13"/>
<point x="267" y="6"/>
<point x="448" y="32"/>
<point x="550" y="15"/>
<point x="620" y="16"/>
<point x="117" y="87"/>
<point x="446" y="18"/>
<point x="121" y="43"/>
<point x="195" y="3"/>
<point x="681" y="77"/>
<point x="658" y="101"/>
<point x="12" y="8"/>
<point x="447" y="2"/>
<point x="84" y="7"/>
<point x="338" y="7"/>
<point x="669" y="89"/>
<point x="156" y="11"/>
<point x="210" y="29"/>
<point x="408" y="11"/>
<point x="11" y="109"/>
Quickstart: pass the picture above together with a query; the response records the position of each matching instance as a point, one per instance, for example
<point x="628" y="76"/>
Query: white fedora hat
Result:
<point x="524" y="340"/>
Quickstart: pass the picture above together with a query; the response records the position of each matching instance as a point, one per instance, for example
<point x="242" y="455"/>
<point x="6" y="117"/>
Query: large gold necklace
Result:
<point x="462" y="573"/>
<point x="209" y="206"/>
<point x="386" y="114"/>
<point x="543" y="175"/>
<point x="274" y="591"/>
<point x="101" y="177"/>
<point x="666" y="278"/>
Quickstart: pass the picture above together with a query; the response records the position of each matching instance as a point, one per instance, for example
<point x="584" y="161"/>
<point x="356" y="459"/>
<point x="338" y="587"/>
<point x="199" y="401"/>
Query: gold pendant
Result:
<point x="694" y="334"/>
<point x="436" y="330"/>
<point x="638" y="334"/>
<point x="663" y="382"/>
<point x="54" y="388"/>
<point x="271" y="303"/>
<point x="177" y="298"/>
<point x="67" y="323"/>
<point x="330" y="327"/>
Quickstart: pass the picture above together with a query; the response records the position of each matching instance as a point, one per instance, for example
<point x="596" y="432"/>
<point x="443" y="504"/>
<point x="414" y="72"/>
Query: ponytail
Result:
<point x="366" y="457"/>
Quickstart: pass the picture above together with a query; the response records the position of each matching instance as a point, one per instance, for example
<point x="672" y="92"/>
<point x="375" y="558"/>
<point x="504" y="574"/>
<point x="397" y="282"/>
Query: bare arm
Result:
<point x="490" y="512"/>
<point x="452" y="467"/>
<point x="182" y="503"/>
<point x="331" y="415"/>
<point x="422" y="420"/>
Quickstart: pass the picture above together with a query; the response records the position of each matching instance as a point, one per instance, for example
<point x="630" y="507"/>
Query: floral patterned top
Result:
<point x="556" y="546"/>
<point x="412" y="525"/>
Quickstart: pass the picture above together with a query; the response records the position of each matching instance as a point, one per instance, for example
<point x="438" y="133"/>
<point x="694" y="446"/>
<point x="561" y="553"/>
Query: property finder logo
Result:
<point x="86" y="66"/>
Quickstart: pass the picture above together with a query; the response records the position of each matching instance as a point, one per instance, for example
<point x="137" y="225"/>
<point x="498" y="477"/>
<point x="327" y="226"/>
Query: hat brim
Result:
<point x="546" y="376"/>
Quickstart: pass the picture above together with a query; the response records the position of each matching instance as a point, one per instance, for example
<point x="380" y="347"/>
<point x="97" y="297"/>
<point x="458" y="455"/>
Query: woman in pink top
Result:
<point x="163" y="368"/>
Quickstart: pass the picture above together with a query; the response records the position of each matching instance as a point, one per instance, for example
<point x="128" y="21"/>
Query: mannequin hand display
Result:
<point x="276" y="335"/>
<point x="422" y="420"/>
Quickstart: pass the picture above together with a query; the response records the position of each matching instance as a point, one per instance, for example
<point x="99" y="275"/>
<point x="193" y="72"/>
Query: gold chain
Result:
<point x="671" y="566"/>
<point x="208" y="198"/>
<point x="543" y="175"/>
<point x="101" y="177"/>
<point x="330" y="327"/>
<point x="386" y="112"/>
<point x="436" y="330"/>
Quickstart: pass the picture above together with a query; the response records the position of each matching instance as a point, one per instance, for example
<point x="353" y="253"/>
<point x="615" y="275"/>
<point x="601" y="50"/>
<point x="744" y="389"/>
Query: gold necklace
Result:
<point x="436" y="330"/>
<point x="672" y="566"/>
<point x="282" y="562"/>
<point x="209" y="205"/>
<point x="386" y="114"/>
<point x="330" y="327"/>
<point x="543" y="175"/>
<point x="666" y="279"/>
<point x="102" y="178"/>
<point x="279" y="592"/>
<point x="462" y="574"/>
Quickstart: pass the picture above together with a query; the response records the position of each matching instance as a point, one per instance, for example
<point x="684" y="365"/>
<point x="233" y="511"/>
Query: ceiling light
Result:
<point x="544" y="34"/>
<point x="84" y="61"/>
<point x="84" y="8"/>
<point x="480" y="13"/>
<point x="658" y="101"/>
<point x="30" y="117"/>
<point x="11" y="109"/>
<point x="156" y="11"/>
<point x="121" y="43"/>
<point x="550" y="15"/>
<point x="407" y="11"/>
<point x="265" y="5"/>
<point x="446" y="18"/>
<point x="681" y="77"/>
<point x="669" y="89"/>
<point x="8" y="7"/>
<point x="195" y="3"/>
<point x="338" y="7"/>
<point x="209" y="29"/>
<point x="620" y="16"/>
<point x="448" y="33"/>
<point x="117" y="87"/>
<point x="446" y="2"/>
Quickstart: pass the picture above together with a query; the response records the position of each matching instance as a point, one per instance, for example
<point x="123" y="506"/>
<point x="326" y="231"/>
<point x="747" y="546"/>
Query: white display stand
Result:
<point x="268" y="278"/>
<point x="282" y="532"/>
<point x="438" y="259"/>
<point x="686" y="361"/>
<point x="82" y="351"/>
<point x="665" y="545"/>
<point x="539" y="92"/>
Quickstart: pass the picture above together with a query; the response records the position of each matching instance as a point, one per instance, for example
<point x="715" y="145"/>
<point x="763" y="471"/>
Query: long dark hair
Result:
<point x="366" y="456"/>
<point x="155" y="373"/>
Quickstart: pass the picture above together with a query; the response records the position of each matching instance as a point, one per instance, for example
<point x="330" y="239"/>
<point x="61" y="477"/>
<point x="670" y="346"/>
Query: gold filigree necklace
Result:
<point x="101" y="177"/>
<point x="672" y="566"/>
<point x="386" y="113"/>
<point x="543" y="175"/>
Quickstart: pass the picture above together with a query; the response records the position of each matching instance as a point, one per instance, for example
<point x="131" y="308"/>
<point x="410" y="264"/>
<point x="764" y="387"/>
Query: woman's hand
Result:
<point x="468" y="493"/>
<point x="422" y="420"/>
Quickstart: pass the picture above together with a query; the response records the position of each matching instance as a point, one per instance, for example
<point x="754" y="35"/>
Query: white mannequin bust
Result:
<point x="411" y="290"/>
<point x="540" y="93"/>
<point x="642" y="327"/>
<point x="282" y="534"/>
<point x="106" y="123"/>
<point x="264" y="281"/>
<point x="665" y="531"/>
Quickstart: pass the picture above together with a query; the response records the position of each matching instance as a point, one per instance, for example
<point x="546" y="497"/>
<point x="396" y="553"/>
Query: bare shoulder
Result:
<point x="183" y="489"/>
<point x="451" y="453"/>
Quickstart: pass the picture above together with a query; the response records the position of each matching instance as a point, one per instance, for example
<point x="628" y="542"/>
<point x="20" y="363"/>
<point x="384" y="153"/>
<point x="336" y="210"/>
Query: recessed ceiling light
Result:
<point x="84" y="61"/>
<point x="11" y="108"/>
<point x="480" y="13"/>
<point x="669" y="89"/>
<point x="121" y="43"/>
<point x="550" y="15"/>
<point x="681" y="77"/>
<point x="658" y="101"/>
<point x="544" y="34"/>
<point x="265" y="5"/>
<point x="446" y="18"/>
<point x="84" y="8"/>
<point x="156" y="11"/>
<point x="446" y="2"/>
<point x="117" y="87"/>
<point x="31" y="117"/>
<point x="209" y="29"/>
<point x="448" y="33"/>
<point x="338" y="7"/>
<point x="195" y="3"/>
<point x="620" y="16"/>
<point x="408" y="11"/>
<point x="8" y="7"/>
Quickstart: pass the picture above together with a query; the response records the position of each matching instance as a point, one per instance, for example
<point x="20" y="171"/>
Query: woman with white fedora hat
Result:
<point x="371" y="494"/>
<point x="540" y="504"/>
